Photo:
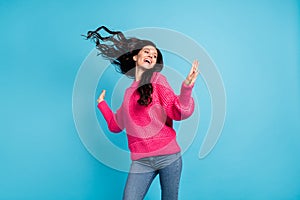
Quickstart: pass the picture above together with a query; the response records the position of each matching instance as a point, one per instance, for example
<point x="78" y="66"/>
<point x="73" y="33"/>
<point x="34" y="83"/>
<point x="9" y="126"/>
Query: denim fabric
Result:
<point x="143" y="172"/>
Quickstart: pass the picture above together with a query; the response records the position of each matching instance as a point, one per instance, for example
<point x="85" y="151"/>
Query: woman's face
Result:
<point x="146" y="58"/>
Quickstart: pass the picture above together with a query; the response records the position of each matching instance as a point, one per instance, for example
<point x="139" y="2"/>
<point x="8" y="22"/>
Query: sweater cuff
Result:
<point x="103" y="107"/>
<point x="186" y="90"/>
<point x="186" y="93"/>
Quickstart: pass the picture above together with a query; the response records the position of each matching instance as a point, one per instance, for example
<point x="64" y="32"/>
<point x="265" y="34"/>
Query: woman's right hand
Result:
<point x="101" y="96"/>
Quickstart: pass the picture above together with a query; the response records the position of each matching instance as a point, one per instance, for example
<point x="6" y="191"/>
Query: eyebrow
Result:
<point x="149" y="49"/>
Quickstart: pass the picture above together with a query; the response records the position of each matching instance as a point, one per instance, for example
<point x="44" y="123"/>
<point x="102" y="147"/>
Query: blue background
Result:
<point x="255" y="45"/>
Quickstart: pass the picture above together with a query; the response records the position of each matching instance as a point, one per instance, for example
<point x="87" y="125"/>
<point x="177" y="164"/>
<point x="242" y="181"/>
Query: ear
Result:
<point x="135" y="58"/>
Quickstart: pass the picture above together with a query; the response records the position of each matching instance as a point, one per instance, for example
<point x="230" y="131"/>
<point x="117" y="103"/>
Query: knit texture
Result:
<point x="149" y="128"/>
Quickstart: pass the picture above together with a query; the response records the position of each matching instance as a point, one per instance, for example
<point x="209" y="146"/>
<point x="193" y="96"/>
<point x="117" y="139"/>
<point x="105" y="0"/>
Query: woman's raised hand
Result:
<point x="101" y="96"/>
<point x="192" y="76"/>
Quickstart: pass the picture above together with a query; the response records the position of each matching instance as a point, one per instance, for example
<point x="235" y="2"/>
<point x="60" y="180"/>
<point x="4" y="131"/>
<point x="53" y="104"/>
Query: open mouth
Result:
<point x="147" y="60"/>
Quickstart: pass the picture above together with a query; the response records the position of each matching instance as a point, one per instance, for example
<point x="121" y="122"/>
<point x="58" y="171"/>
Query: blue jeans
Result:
<point x="143" y="171"/>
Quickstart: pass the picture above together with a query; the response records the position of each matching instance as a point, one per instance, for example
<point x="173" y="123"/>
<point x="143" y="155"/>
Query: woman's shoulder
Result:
<point x="158" y="78"/>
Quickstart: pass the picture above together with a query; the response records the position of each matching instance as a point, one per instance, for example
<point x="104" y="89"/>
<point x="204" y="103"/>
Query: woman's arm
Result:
<point x="111" y="118"/>
<point x="178" y="107"/>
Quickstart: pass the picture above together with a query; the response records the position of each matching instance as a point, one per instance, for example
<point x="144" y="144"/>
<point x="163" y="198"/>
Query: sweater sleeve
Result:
<point x="177" y="107"/>
<point x="114" y="122"/>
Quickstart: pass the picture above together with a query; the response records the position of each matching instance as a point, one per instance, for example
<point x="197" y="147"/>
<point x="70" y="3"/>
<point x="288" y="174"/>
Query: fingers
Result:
<point x="101" y="96"/>
<point x="194" y="78"/>
<point x="194" y="67"/>
<point x="195" y="64"/>
<point x="193" y="74"/>
<point x="195" y="71"/>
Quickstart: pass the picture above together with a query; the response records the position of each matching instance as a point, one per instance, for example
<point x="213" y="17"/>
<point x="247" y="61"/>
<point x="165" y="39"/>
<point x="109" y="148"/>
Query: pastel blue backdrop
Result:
<point x="255" y="45"/>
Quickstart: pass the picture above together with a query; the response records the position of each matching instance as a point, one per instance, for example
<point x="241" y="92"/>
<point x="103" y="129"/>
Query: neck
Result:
<point x="138" y="73"/>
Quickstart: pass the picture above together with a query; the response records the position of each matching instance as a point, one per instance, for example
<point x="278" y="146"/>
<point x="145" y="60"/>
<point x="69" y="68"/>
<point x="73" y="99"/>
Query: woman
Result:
<point x="147" y="111"/>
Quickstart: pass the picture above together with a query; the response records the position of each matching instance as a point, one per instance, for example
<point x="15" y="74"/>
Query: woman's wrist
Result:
<point x="187" y="82"/>
<point x="99" y="100"/>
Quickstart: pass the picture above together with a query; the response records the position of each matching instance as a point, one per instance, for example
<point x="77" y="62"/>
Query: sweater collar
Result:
<point x="135" y="84"/>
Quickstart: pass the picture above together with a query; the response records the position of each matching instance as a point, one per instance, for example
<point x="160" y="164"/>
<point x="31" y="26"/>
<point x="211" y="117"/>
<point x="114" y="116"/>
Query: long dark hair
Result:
<point x="120" y="50"/>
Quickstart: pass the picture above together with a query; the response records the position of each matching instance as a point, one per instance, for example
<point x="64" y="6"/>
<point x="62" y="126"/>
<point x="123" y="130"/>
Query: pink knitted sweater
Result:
<point x="149" y="128"/>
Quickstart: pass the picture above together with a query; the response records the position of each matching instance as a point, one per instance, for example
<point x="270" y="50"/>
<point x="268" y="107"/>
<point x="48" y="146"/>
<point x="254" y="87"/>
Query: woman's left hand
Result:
<point x="192" y="76"/>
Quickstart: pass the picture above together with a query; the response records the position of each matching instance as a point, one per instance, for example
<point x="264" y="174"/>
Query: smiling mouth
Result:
<point x="147" y="61"/>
